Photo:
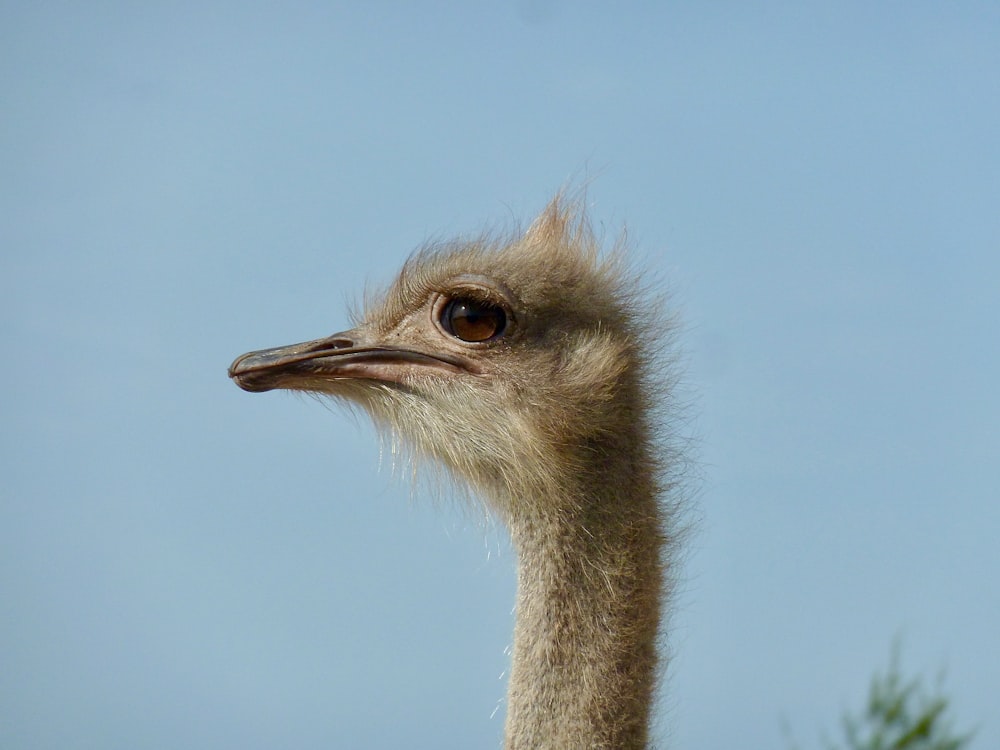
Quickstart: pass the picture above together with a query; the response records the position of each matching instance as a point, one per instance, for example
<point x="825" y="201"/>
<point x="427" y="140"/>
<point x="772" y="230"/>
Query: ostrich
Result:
<point x="530" y="370"/>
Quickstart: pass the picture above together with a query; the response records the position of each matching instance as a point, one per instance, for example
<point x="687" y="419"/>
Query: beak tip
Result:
<point x="241" y="373"/>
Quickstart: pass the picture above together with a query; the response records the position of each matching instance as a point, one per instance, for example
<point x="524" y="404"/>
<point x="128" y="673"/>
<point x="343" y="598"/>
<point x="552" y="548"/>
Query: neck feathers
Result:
<point x="590" y="588"/>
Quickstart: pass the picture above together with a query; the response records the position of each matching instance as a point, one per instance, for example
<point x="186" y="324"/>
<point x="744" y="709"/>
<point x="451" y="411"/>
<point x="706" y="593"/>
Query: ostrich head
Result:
<point x="521" y="367"/>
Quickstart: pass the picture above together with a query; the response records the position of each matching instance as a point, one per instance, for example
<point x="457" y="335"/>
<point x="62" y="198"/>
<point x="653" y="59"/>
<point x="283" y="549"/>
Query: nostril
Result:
<point x="332" y="343"/>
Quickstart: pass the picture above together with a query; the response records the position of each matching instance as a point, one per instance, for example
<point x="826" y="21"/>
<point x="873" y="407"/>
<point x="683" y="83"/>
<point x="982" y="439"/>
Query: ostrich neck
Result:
<point x="588" y="602"/>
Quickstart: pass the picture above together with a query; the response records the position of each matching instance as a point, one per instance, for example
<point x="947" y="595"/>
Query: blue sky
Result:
<point x="186" y="565"/>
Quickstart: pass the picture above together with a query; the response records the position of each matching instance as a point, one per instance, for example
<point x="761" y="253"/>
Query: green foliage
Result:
<point x="901" y="715"/>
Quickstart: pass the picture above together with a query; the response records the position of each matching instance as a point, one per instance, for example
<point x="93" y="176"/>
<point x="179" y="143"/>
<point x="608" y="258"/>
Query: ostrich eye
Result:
<point x="472" y="320"/>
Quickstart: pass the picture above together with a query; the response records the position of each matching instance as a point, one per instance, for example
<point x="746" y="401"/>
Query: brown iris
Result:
<point x="473" y="321"/>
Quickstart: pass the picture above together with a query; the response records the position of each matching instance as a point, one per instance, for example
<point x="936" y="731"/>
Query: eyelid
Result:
<point x="481" y="288"/>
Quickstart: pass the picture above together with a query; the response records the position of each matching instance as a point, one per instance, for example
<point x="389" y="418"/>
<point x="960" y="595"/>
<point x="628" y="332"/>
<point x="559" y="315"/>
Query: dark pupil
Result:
<point x="473" y="321"/>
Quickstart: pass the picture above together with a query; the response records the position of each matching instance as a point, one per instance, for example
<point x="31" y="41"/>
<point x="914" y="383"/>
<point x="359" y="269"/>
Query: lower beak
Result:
<point x="314" y="365"/>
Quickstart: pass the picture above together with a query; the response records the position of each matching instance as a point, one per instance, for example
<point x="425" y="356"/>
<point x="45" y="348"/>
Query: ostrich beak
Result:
<point x="351" y="355"/>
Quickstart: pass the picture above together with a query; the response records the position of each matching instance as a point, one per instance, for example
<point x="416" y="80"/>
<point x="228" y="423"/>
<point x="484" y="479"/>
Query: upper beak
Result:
<point x="349" y="355"/>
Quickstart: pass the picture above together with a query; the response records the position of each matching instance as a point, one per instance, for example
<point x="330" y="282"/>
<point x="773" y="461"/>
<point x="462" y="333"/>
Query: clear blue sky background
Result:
<point x="184" y="565"/>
